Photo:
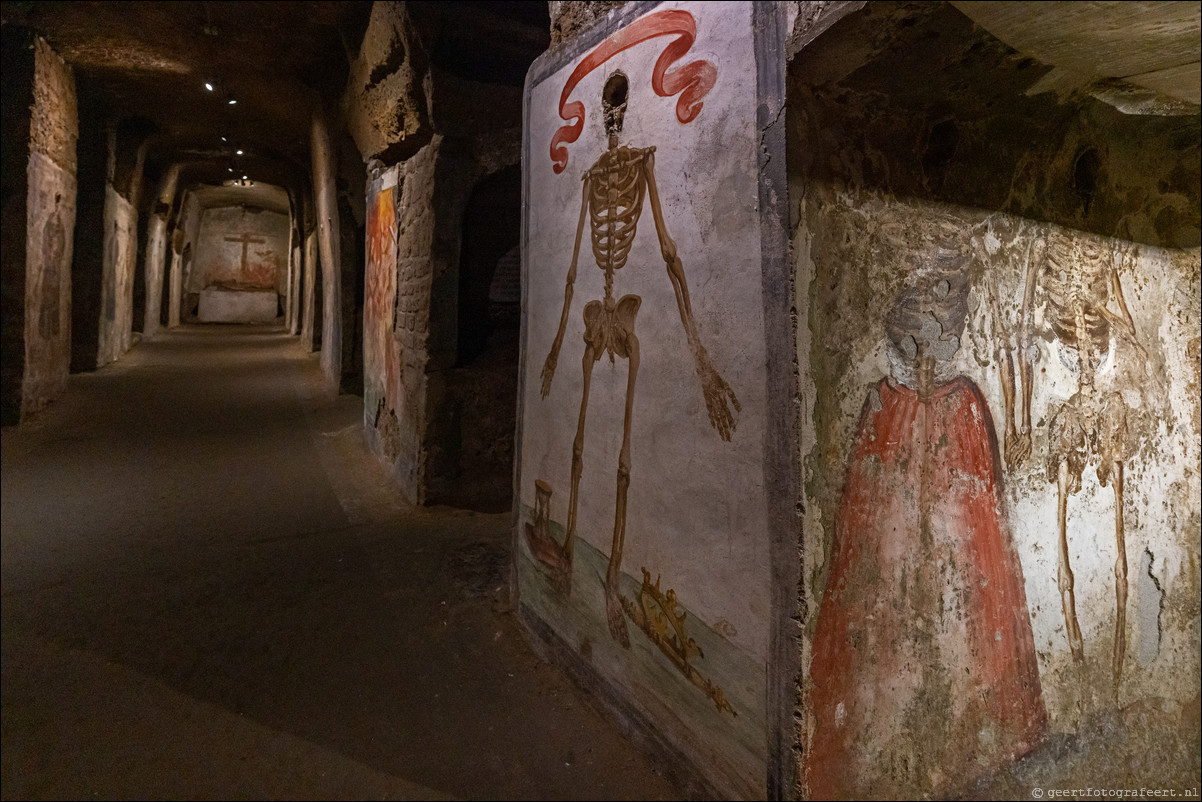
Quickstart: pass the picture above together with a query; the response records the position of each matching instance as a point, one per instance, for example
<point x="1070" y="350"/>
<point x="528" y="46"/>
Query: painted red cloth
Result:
<point x="923" y="674"/>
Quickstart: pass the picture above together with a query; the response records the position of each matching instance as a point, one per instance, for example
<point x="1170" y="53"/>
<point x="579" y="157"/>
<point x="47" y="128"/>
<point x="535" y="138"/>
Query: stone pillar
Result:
<point x="156" y="253"/>
<point x="176" y="290"/>
<point x="325" y="195"/>
<point x="294" y="292"/>
<point x="126" y="158"/>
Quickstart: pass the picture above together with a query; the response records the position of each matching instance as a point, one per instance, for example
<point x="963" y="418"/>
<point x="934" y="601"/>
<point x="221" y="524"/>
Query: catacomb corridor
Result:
<point x="590" y="400"/>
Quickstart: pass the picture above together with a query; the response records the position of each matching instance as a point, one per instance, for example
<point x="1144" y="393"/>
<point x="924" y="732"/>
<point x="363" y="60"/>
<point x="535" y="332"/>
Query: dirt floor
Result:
<point x="211" y="590"/>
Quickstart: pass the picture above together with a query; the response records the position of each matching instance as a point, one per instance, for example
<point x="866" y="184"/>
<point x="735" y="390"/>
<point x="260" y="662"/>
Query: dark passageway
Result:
<point x="211" y="592"/>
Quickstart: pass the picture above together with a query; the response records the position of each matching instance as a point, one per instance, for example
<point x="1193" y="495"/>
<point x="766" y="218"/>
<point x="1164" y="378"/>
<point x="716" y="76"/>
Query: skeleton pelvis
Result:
<point x="611" y="328"/>
<point x="1082" y="431"/>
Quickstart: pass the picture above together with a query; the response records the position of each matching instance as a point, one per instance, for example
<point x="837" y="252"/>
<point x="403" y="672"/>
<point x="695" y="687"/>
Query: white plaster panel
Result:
<point x="696" y="504"/>
<point x="1162" y="489"/>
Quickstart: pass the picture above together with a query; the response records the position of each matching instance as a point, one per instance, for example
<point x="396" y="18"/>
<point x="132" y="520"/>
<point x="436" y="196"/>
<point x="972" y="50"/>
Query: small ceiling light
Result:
<point x="239" y="153"/>
<point x="243" y="178"/>
<point x="223" y="139"/>
<point x="231" y="169"/>
<point x="208" y="86"/>
<point x="233" y="102"/>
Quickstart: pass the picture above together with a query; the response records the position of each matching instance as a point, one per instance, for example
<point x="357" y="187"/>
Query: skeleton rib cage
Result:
<point x="616" y="185"/>
<point x="1077" y="292"/>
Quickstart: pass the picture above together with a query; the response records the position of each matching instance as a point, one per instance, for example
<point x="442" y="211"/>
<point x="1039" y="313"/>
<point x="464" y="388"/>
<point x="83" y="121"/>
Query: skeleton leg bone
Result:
<point x="613" y="599"/>
<point x="1064" y="578"/>
<point x="1120" y="579"/>
<point x="590" y="357"/>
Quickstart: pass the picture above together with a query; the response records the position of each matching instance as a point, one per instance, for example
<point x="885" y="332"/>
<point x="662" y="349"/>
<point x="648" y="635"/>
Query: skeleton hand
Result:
<point x="549" y="371"/>
<point x="1018" y="448"/>
<point x="719" y="398"/>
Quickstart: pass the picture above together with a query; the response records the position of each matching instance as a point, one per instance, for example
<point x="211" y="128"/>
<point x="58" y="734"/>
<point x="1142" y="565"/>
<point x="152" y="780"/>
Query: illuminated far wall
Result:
<point x="240" y="270"/>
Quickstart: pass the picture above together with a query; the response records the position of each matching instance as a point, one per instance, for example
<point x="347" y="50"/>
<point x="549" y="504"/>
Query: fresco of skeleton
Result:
<point x="1078" y="280"/>
<point x="614" y="190"/>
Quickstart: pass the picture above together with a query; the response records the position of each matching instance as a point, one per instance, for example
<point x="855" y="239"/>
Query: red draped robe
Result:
<point x="923" y="674"/>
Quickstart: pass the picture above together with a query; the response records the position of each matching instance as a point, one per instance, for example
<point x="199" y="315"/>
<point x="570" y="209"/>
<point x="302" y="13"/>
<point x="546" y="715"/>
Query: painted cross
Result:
<point x="246" y="240"/>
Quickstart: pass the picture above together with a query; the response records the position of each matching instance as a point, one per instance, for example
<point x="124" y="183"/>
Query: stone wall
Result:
<point x="41" y="118"/>
<point x="402" y="426"/>
<point x="999" y="294"/>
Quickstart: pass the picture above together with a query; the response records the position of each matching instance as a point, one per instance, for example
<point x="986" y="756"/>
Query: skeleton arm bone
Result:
<point x="1005" y="357"/>
<point x="719" y="398"/>
<point x="1126" y="326"/>
<point x="1018" y="447"/>
<point x="553" y="357"/>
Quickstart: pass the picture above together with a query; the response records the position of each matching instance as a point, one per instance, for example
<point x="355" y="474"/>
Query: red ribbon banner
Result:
<point x="691" y="81"/>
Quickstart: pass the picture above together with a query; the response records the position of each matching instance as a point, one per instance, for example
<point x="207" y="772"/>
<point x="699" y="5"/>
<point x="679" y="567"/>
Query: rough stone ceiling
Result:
<point x="151" y="60"/>
<point x="1099" y="47"/>
<point x="264" y="196"/>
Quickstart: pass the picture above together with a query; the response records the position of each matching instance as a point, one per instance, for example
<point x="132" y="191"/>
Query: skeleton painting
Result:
<point x="644" y="528"/>
<point x="618" y="187"/>
<point x="923" y="671"/>
<point x="1078" y="279"/>
<point x="614" y="190"/>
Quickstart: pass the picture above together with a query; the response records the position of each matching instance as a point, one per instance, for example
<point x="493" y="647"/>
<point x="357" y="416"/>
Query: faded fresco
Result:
<point x="991" y="453"/>
<point x="241" y="249"/>
<point x="924" y="614"/>
<point x="240" y="271"/>
<point x="49" y="227"/>
<point x="642" y="524"/>
<point x="381" y="350"/>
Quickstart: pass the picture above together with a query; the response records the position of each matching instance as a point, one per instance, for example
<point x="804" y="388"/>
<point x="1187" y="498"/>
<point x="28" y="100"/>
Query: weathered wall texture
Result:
<point x="643" y="540"/>
<point x="50" y="225"/>
<point x="569" y="19"/>
<point x="1000" y="367"/>
<point x="388" y="108"/>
